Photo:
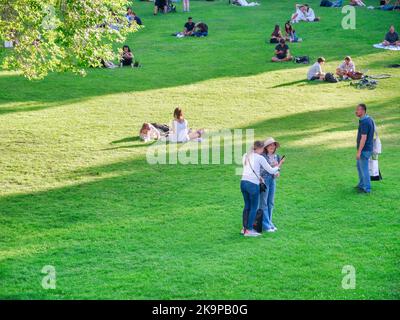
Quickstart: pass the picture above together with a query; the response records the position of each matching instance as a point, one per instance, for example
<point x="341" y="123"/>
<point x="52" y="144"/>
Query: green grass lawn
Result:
<point x="77" y="193"/>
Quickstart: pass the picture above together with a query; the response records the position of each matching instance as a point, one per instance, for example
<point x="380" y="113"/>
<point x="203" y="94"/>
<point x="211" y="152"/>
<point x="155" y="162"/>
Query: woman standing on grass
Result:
<point x="253" y="161"/>
<point x="267" y="197"/>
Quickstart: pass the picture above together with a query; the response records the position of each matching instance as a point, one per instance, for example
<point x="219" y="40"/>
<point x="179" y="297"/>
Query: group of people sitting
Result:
<point x="290" y="34"/>
<point x="261" y="168"/>
<point x="346" y="70"/>
<point x="192" y="29"/>
<point x="131" y="16"/>
<point x="177" y="132"/>
<point x="304" y="13"/>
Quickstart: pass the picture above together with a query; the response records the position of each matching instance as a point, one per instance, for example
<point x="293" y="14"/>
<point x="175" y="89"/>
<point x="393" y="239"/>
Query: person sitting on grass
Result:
<point x="200" y="30"/>
<point x="346" y="69"/>
<point x="188" y="27"/>
<point x="180" y="131"/>
<point x="126" y="56"/>
<point x="131" y="16"/>
<point x="391" y="38"/>
<point x="276" y="35"/>
<point x="315" y="72"/>
<point x="282" y="52"/>
<point x="303" y="13"/>
<point x="291" y="33"/>
<point x="357" y="3"/>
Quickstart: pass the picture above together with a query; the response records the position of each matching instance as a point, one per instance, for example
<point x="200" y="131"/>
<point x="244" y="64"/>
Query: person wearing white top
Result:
<point x="299" y="15"/>
<point x="346" y="69"/>
<point x="149" y="132"/>
<point x="250" y="185"/>
<point x="180" y="131"/>
<point x="315" y="72"/>
<point x="244" y="3"/>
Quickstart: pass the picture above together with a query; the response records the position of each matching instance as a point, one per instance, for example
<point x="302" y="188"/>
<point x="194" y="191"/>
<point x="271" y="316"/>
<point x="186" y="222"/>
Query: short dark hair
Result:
<point x="321" y="59"/>
<point x="190" y="18"/>
<point x="282" y="41"/>
<point x="363" y="106"/>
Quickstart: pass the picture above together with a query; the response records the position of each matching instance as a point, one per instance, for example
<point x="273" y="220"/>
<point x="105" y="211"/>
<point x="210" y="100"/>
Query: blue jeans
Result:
<point x="363" y="171"/>
<point x="267" y="202"/>
<point x="251" y="196"/>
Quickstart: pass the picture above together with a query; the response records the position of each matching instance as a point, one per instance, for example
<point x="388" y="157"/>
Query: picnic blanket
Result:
<point x="380" y="46"/>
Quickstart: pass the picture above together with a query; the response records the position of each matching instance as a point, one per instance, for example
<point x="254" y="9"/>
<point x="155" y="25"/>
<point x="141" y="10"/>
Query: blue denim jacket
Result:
<point x="264" y="173"/>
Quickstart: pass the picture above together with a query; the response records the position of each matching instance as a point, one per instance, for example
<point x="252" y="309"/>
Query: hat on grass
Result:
<point x="271" y="140"/>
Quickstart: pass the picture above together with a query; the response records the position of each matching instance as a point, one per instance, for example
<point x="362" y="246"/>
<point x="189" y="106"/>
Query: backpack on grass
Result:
<point x="329" y="77"/>
<point x="301" y="59"/>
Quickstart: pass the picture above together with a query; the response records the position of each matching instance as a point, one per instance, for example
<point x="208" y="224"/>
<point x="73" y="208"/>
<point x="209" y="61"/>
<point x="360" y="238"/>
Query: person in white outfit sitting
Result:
<point x="303" y="13"/>
<point x="180" y="131"/>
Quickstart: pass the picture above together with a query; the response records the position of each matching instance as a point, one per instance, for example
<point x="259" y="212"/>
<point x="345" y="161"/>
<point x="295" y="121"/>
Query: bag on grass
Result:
<point x="329" y="77"/>
<point x="258" y="222"/>
<point x="356" y="75"/>
<point x="377" y="145"/>
<point x="374" y="171"/>
<point x="302" y="59"/>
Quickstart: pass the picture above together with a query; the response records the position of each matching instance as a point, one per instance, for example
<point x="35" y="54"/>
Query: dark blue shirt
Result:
<point x="366" y="126"/>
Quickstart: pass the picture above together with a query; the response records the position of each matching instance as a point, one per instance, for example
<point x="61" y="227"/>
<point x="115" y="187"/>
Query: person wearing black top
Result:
<point x="391" y="38"/>
<point x="189" y="27"/>
<point x="282" y="52"/>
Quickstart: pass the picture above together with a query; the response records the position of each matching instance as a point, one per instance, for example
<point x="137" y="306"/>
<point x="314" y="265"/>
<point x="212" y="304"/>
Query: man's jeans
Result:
<point x="363" y="171"/>
<point x="251" y="196"/>
<point x="267" y="202"/>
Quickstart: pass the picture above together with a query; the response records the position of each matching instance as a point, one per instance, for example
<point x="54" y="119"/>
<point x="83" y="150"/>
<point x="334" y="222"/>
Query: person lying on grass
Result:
<point x="291" y="33"/>
<point x="244" y="3"/>
<point x="267" y="198"/>
<point x="335" y="4"/>
<point x="391" y="38"/>
<point x="149" y="132"/>
<point x="386" y="6"/>
<point x="346" y="69"/>
<point x="180" y="131"/>
<point x="126" y="56"/>
<point x="282" y="52"/>
<point x="315" y="72"/>
<point x="200" y="30"/>
<point x="276" y="35"/>
<point x="357" y="3"/>
<point x="253" y="161"/>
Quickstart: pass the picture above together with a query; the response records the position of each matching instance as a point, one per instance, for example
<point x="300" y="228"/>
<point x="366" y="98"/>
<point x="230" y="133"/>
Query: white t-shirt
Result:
<point x="314" y="70"/>
<point x="348" y="67"/>
<point x="310" y="15"/>
<point x="257" y="162"/>
<point x="180" y="131"/>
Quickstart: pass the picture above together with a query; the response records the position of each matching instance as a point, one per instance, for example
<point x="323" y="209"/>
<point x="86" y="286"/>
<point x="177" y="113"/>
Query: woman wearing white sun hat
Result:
<point x="267" y="198"/>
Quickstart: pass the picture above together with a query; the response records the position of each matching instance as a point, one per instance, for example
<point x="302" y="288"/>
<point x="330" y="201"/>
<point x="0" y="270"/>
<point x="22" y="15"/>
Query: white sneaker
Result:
<point x="242" y="231"/>
<point x="251" y="233"/>
<point x="271" y="230"/>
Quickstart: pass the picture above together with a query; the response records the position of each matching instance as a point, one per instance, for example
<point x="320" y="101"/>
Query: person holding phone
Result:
<point x="267" y="198"/>
<point x="253" y="162"/>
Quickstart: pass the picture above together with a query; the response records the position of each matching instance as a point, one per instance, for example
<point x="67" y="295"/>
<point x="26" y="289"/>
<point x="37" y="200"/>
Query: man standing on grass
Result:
<point x="365" y="141"/>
